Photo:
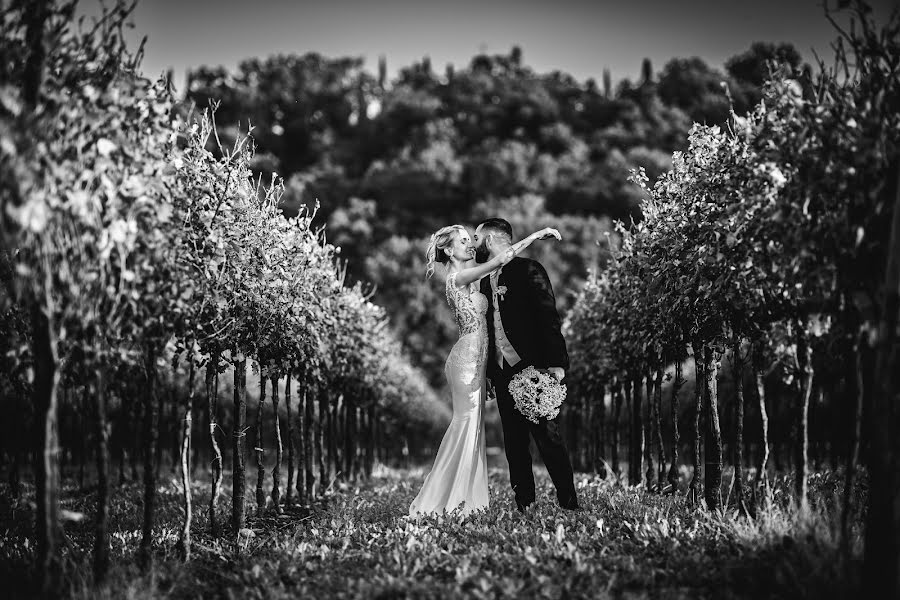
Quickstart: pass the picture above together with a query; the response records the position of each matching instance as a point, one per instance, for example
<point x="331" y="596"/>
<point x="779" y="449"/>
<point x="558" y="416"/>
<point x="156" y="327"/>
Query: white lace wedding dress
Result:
<point x="459" y="474"/>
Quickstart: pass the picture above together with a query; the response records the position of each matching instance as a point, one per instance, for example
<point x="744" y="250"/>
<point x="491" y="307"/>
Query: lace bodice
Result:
<point x="470" y="308"/>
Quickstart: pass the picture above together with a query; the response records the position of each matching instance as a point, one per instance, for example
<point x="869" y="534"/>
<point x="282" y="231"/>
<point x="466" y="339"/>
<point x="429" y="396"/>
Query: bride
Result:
<point x="459" y="474"/>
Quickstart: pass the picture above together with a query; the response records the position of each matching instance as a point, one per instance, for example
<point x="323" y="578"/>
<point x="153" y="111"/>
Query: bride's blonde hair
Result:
<point x="440" y="239"/>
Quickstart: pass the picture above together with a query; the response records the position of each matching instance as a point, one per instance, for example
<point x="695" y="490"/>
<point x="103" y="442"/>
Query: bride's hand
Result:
<point x="548" y="232"/>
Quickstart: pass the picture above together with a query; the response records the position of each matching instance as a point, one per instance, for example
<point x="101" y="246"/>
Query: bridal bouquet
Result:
<point x="537" y="395"/>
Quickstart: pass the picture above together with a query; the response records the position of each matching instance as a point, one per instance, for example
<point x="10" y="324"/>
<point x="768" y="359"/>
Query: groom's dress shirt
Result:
<point x="505" y="350"/>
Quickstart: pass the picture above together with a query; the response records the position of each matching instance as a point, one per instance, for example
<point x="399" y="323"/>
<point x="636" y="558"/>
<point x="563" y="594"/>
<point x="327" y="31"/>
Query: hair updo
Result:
<point x="440" y="240"/>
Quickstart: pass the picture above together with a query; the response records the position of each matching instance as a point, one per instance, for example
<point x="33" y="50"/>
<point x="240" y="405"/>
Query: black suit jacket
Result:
<point x="530" y="320"/>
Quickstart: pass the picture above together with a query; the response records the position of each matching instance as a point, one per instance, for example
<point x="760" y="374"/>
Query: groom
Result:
<point x="523" y="330"/>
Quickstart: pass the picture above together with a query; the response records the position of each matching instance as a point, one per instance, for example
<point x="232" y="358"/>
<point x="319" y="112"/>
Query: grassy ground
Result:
<point x="358" y="543"/>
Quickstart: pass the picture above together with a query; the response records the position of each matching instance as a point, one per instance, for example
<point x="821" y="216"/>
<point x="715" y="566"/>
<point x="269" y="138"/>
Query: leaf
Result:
<point x="105" y="147"/>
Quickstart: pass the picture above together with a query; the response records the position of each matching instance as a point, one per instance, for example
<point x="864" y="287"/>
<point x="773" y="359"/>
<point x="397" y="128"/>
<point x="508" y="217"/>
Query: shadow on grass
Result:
<point x="357" y="542"/>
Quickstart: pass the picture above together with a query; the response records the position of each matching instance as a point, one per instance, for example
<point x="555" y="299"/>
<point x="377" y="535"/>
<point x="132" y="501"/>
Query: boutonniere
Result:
<point x="501" y="291"/>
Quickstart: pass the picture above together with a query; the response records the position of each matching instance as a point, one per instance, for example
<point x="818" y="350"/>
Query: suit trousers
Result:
<point x="547" y="437"/>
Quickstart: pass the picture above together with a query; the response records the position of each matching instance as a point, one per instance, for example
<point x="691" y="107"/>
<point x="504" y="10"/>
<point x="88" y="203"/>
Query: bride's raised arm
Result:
<point x="472" y="274"/>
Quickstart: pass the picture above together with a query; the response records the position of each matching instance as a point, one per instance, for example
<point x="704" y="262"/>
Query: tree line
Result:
<point x="135" y="262"/>
<point x="769" y="250"/>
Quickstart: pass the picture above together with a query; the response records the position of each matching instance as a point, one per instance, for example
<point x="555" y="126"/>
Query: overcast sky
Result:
<point x="578" y="37"/>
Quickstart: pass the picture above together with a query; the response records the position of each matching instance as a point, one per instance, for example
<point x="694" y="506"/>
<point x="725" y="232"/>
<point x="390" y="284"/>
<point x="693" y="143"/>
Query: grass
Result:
<point x="359" y="543"/>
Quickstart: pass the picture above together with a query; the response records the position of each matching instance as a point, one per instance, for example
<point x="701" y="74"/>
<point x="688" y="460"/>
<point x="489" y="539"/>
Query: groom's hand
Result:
<point x="557" y="372"/>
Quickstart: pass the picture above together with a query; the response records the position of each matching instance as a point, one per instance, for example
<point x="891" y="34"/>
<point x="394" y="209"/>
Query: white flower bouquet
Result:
<point x="537" y="395"/>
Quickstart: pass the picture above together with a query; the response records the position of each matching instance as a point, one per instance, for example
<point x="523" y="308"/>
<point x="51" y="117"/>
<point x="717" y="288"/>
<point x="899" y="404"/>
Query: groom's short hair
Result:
<point x="498" y="225"/>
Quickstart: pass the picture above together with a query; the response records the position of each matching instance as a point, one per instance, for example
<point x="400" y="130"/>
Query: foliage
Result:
<point x="778" y="218"/>
<point x="83" y="174"/>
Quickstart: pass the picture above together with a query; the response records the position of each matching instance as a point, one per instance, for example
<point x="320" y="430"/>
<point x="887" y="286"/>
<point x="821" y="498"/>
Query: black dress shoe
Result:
<point x="572" y="504"/>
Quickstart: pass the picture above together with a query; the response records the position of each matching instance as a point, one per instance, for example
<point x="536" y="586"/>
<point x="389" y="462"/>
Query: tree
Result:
<point x="771" y="231"/>
<point x="693" y="86"/>
<point x="751" y="69"/>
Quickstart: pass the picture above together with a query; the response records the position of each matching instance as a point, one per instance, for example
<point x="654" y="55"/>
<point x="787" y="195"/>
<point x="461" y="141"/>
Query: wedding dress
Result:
<point x="459" y="474"/>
